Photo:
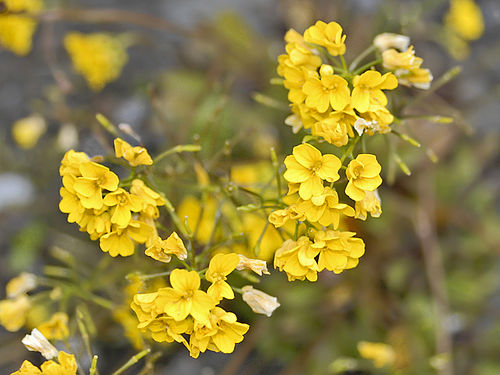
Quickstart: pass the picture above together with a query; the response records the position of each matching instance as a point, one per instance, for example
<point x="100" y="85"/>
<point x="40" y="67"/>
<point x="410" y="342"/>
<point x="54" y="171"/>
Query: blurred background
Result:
<point x="429" y="282"/>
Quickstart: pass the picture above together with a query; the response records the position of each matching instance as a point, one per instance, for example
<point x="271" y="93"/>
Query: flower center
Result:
<point x="317" y="166"/>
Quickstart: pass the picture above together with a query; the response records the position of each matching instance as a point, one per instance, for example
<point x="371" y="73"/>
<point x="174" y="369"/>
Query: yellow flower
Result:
<point x="328" y="36"/>
<point x="329" y="90"/>
<point x="256" y="265"/>
<point x="13" y="312"/>
<point x="369" y="204"/>
<point x="221" y="334"/>
<point x="465" y="18"/>
<point x="279" y="218"/>
<point x="407" y="68"/>
<point x="67" y="365"/>
<point x="120" y="241"/>
<point x="296" y="258"/>
<point x="295" y="77"/>
<point x="220" y="266"/>
<point x="376" y="120"/>
<point x="368" y="89"/>
<point x="149" y="308"/>
<point x="27" y="131"/>
<point x="363" y="174"/>
<point x="184" y="297"/>
<point x="259" y="302"/>
<point x="99" y="57"/>
<point x="338" y="251"/>
<point x="27" y="368"/>
<point x="308" y="167"/>
<point x="389" y="40"/>
<point x="56" y="328"/>
<point x="134" y="155"/>
<point x="122" y="204"/>
<point x="70" y="164"/>
<point x="150" y="198"/>
<point x="95" y="178"/>
<point x="332" y="131"/>
<point x="324" y="208"/>
<point x="21" y="284"/>
<point x="381" y="354"/>
<point x="162" y="250"/>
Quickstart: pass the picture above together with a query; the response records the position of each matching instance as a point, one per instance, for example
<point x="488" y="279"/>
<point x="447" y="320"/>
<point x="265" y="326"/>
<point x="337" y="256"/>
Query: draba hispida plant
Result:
<point x="331" y="175"/>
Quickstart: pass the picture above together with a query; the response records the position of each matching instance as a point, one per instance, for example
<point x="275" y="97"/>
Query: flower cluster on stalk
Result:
<point x="337" y="106"/>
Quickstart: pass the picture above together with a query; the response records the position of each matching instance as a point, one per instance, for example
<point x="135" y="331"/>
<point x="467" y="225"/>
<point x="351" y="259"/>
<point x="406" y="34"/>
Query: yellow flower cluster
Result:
<point x="17" y="25"/>
<point x="182" y="310"/>
<point x="66" y="364"/>
<point x="338" y="106"/>
<point x="92" y="198"/>
<point x="99" y="57"/>
<point x="327" y="99"/>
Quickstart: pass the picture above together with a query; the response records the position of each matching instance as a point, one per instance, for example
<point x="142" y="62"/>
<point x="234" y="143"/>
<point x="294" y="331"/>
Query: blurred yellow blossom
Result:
<point x="21" y="284"/>
<point x="99" y="57"/>
<point x="27" y="131"/>
<point x="13" y="312"/>
<point x="465" y="18"/>
<point x="17" y="28"/>
<point x="56" y="328"/>
<point x="381" y="354"/>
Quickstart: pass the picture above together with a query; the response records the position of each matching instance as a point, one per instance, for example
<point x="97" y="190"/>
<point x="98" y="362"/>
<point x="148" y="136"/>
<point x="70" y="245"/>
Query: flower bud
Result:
<point x="389" y="40"/>
<point x="259" y="302"/>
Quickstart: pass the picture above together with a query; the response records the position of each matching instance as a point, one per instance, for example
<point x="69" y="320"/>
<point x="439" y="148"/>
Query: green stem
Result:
<point x="132" y="361"/>
<point x="366" y="66"/>
<point x="154" y="275"/>
<point x="344" y="65"/>
<point x="350" y="149"/>
<point x="175" y="150"/>
<point x="360" y="57"/>
<point x="93" y="367"/>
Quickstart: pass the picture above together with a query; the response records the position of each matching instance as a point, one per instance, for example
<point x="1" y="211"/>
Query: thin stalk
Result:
<point x="366" y="66"/>
<point x="344" y="65"/>
<point x="176" y="150"/>
<point x="132" y="361"/>
<point x="361" y="56"/>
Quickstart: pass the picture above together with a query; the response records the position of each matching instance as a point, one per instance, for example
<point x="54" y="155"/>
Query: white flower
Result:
<point x="259" y="302"/>
<point x="361" y="125"/>
<point x="256" y="265"/>
<point x="36" y="342"/>
<point x="389" y="40"/>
